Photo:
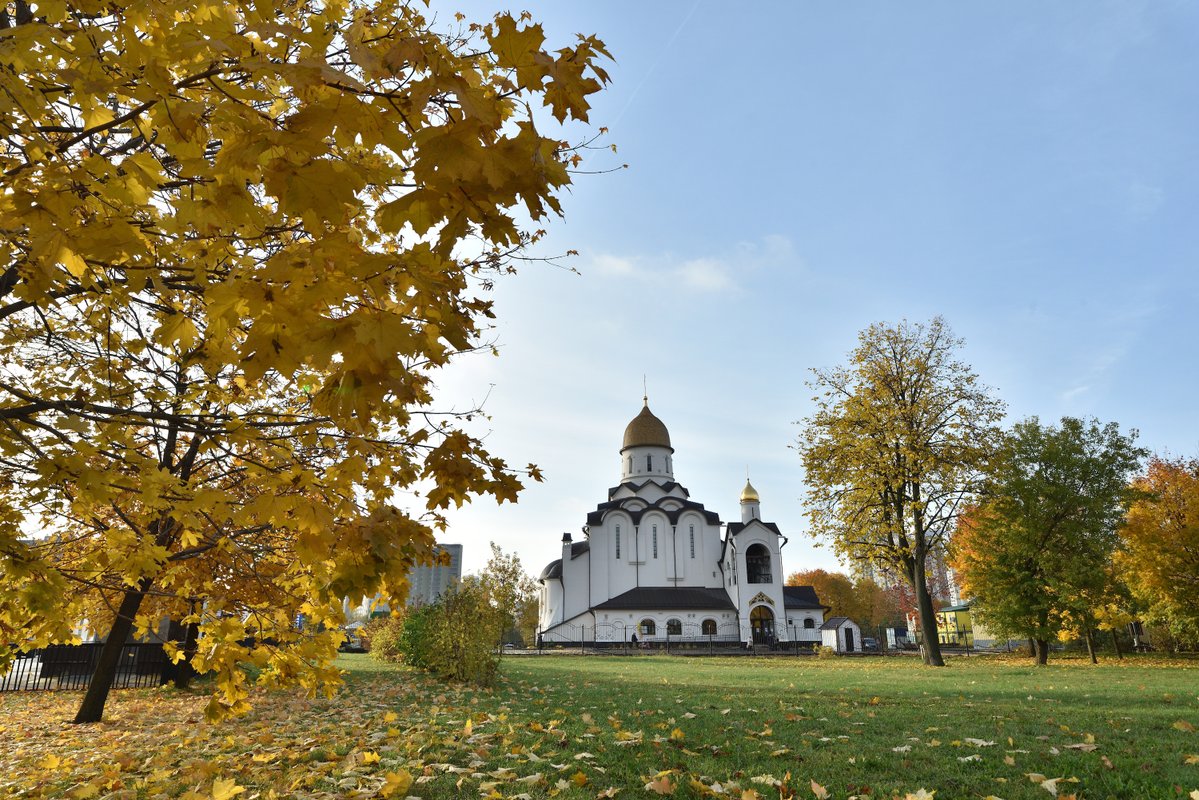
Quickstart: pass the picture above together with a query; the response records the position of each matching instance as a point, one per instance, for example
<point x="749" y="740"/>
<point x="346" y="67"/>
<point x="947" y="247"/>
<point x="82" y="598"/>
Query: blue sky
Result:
<point x="799" y="171"/>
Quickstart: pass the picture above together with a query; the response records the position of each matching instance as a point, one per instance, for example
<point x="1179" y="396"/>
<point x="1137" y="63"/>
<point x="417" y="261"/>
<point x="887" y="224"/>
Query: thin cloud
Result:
<point x="712" y="273"/>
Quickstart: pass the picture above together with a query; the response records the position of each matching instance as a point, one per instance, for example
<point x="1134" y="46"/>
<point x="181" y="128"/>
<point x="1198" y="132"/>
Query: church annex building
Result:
<point x="657" y="565"/>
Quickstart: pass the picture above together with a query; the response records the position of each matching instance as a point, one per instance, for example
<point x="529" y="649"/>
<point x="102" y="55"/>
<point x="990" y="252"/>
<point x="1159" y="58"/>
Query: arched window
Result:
<point x="647" y="627"/>
<point x="674" y="627"/>
<point x="809" y="623"/>
<point x="757" y="564"/>
<point x="709" y="627"/>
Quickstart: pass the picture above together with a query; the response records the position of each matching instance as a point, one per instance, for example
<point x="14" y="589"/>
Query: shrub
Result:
<point x="381" y="636"/>
<point x="456" y="638"/>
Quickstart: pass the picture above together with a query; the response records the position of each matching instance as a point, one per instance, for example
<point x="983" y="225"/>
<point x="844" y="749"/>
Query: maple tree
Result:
<point x="1035" y="556"/>
<point x="1159" y="557"/>
<point x="899" y="440"/>
<point x="239" y="240"/>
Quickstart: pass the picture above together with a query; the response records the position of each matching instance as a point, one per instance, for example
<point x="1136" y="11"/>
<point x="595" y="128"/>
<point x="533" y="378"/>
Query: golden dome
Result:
<point x="646" y="430"/>
<point x="749" y="494"/>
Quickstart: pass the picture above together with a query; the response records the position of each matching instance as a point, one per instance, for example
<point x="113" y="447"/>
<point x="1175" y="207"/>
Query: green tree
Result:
<point x="239" y="240"/>
<point x="511" y="591"/>
<point x="1036" y="555"/>
<point x="899" y="440"/>
<point x="1160" y="546"/>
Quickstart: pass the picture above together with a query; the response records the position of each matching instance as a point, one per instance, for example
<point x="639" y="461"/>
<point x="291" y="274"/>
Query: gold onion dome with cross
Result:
<point x="646" y="430"/>
<point x="749" y="494"/>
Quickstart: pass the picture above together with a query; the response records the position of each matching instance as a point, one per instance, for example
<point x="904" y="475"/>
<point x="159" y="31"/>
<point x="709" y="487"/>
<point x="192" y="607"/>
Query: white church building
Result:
<point x="656" y="565"/>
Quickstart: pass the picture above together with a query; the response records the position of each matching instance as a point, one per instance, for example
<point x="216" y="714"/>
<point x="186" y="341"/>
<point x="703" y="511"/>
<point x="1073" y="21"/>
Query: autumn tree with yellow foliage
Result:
<point x="1159" y="556"/>
<point x="239" y="239"/>
<point x="899" y="441"/>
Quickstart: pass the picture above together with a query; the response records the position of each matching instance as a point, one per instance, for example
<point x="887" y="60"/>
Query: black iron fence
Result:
<point x="684" y="636"/>
<point x="70" y="666"/>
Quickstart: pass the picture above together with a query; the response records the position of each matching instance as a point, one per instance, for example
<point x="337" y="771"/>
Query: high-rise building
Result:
<point x="428" y="582"/>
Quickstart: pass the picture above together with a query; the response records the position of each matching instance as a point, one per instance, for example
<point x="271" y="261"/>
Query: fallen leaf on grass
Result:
<point x="661" y="785"/>
<point x="920" y="794"/>
<point x="1009" y="760"/>
<point x="905" y="748"/>
<point x="1191" y="760"/>
<point x="820" y="792"/>
<point x="225" y="788"/>
<point x="396" y="783"/>
<point x="978" y="742"/>
<point x="1183" y="725"/>
<point x="1083" y="746"/>
<point x="974" y="757"/>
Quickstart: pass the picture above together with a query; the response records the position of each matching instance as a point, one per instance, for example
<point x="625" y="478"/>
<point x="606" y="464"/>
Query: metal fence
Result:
<point x="70" y="667"/>
<point x="683" y="637"/>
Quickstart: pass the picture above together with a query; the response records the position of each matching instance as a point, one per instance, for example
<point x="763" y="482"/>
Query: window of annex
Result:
<point x="647" y="627"/>
<point x="674" y="627"/>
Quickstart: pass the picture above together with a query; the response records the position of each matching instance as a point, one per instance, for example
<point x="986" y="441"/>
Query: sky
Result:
<point x="799" y="171"/>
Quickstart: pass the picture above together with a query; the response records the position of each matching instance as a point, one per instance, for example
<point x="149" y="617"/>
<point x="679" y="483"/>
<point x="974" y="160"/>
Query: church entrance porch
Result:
<point x="761" y="623"/>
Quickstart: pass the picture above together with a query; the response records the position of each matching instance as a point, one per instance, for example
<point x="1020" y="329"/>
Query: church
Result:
<point x="655" y="566"/>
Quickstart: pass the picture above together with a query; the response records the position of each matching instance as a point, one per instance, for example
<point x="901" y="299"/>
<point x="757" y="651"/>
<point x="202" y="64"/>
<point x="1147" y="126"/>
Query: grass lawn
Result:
<point x="587" y="727"/>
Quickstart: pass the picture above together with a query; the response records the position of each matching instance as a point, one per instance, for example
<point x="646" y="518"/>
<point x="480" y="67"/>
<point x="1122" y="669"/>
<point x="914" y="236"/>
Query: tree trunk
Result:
<point x="1116" y="642"/>
<point x="183" y="670"/>
<point x="92" y="707"/>
<point x="928" y="617"/>
<point x="1042" y="651"/>
<point x="1091" y="646"/>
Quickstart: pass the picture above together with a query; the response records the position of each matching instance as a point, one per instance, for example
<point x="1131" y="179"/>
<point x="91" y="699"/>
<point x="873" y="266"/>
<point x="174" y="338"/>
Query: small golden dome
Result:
<point x="749" y="494"/>
<point x="646" y="430"/>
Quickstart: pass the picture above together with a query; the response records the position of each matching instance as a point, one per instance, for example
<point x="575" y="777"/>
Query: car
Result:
<point x="869" y="645"/>
<point x="352" y="643"/>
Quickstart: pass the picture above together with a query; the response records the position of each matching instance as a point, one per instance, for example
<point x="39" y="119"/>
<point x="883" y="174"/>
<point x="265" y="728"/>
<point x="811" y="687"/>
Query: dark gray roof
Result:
<point x="736" y="527"/>
<point x="832" y="623"/>
<point x="669" y="598"/>
<point x="667" y="487"/>
<point x="579" y="548"/>
<point x="597" y="517"/>
<point x="552" y="570"/>
<point x="800" y="597"/>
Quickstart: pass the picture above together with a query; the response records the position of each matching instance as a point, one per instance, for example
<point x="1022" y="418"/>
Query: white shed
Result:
<point x="842" y="634"/>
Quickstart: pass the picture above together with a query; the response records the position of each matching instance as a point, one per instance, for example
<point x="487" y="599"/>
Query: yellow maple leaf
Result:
<point x="1191" y="760"/>
<point x="677" y="734"/>
<point x="818" y="790"/>
<point x="579" y="778"/>
<point x="396" y="783"/>
<point x="921" y="794"/>
<point x="51" y="761"/>
<point x="370" y="757"/>
<point x="84" y="791"/>
<point x="468" y="727"/>
<point x="390" y="717"/>
<point x="225" y="788"/>
<point x="1183" y="725"/>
